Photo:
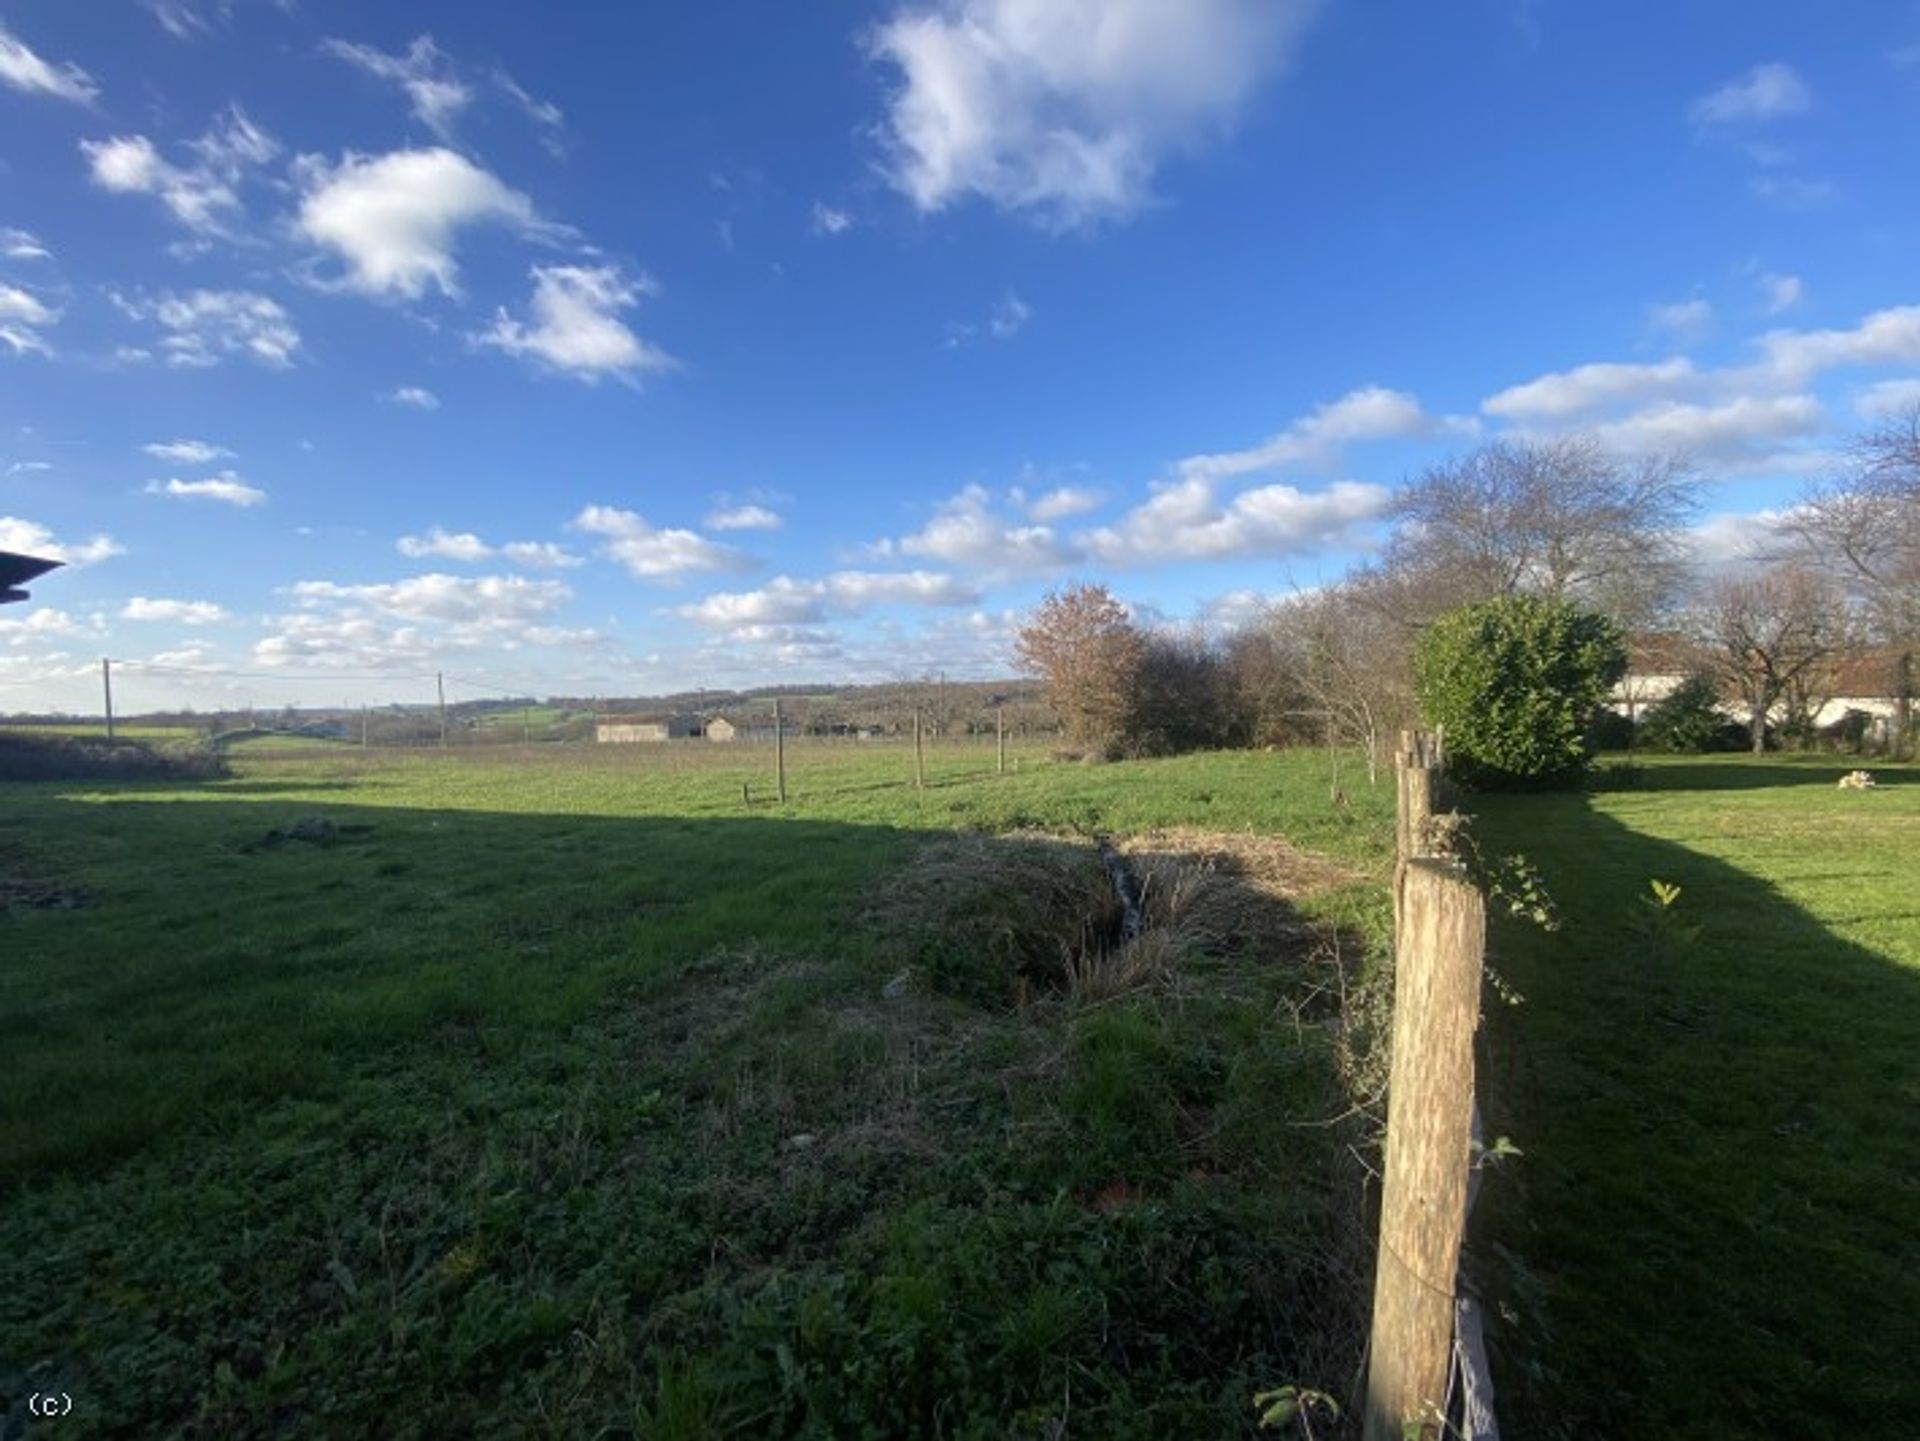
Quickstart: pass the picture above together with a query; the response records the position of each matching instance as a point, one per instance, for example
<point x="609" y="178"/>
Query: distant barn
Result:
<point x="721" y="729"/>
<point x="625" y="730"/>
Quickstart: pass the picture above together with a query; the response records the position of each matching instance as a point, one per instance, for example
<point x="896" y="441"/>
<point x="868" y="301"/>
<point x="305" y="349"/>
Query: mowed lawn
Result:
<point x="1715" y="1228"/>
<point x="563" y="1092"/>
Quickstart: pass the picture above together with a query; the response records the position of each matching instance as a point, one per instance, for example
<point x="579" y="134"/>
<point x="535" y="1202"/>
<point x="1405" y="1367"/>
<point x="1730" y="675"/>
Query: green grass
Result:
<point x="560" y="1093"/>
<point x="1712" y="1231"/>
<point x="99" y="729"/>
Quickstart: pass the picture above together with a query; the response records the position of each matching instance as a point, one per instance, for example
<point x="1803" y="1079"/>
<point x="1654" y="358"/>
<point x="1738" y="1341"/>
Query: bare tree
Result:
<point x="1865" y="532"/>
<point x="1088" y="649"/>
<point x="1767" y="633"/>
<point x="1347" y="668"/>
<point x="1561" y="518"/>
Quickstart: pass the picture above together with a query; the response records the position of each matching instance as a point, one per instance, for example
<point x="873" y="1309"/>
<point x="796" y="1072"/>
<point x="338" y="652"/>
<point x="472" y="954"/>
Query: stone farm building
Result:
<point x="721" y="729"/>
<point x="627" y="729"/>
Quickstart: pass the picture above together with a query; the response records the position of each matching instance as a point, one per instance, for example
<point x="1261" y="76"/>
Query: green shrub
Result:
<point x="1513" y="682"/>
<point x="74" y="758"/>
<point x="1608" y="730"/>
<point x="1686" y="721"/>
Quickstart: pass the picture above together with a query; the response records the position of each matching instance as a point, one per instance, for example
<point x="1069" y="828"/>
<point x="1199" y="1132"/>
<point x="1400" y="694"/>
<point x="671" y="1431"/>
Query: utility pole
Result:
<point x="106" y="685"/>
<point x="780" y="750"/>
<point x="440" y="682"/>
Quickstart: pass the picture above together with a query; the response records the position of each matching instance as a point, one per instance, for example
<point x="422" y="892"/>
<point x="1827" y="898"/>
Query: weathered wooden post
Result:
<point x="1000" y="740"/>
<point x="919" y="754"/>
<point x="779" y="751"/>
<point x="1413" y="778"/>
<point x="1439" y="946"/>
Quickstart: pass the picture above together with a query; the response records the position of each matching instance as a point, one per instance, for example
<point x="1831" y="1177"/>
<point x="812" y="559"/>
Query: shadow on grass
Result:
<point x="471" y="1107"/>
<point x="1743" y="773"/>
<point x="1711" y="1231"/>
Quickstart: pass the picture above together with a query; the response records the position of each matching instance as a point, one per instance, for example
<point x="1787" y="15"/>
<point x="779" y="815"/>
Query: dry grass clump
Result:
<point x="993" y="917"/>
<point x="1000" y="917"/>
<point x="1268" y="863"/>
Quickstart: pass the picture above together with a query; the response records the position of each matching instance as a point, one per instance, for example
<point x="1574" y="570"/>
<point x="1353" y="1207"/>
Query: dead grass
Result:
<point x="1031" y="915"/>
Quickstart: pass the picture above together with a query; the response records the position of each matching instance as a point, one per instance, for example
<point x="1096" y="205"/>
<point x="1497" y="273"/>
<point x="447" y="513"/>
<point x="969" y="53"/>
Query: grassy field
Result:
<point x="565" y="1093"/>
<point x="154" y="733"/>
<point x="1713" y="1229"/>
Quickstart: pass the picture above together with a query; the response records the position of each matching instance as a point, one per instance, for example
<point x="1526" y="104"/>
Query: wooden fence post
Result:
<point x="780" y="751"/>
<point x="1440" y="943"/>
<point x="919" y="755"/>
<point x="1413" y="778"/>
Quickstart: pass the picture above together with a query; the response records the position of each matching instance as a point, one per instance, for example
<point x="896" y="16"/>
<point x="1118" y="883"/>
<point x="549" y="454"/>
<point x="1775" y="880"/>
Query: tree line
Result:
<point x="1560" y="523"/>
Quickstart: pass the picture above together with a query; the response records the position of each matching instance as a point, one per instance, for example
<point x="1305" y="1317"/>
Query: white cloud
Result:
<point x="207" y="324"/>
<point x="39" y="623"/>
<point x="490" y="600"/>
<point x="1766" y="92"/>
<point x="1370" y="413"/>
<point x="744" y="517"/>
<point x="1185" y="520"/>
<point x="202" y="196"/>
<point x="540" y="555"/>
<point x="351" y="641"/>
<point x="25" y="307"/>
<point x="28" y="467"/>
<point x="23" y="341"/>
<point x="1009" y="317"/>
<point x="435" y="90"/>
<point x="1779" y="292"/>
<point x="1061" y="502"/>
<point x="226" y="488"/>
<point x="1065" y="109"/>
<point x="1735" y="538"/>
<point x="828" y="221"/>
<point x="23" y="315"/>
<point x="415" y="395"/>
<point x="576" y="327"/>
<point x="543" y="113"/>
<point x="1727" y="432"/>
<point x="967" y="531"/>
<point x="17" y="244"/>
<point x="1685" y="320"/>
<point x="425" y="73"/>
<point x="1569" y="394"/>
<point x="187" y="452"/>
<point x="27" y="72"/>
<point x="468" y="547"/>
<point x="350" y="626"/>
<point x="1793" y="192"/>
<point x="653" y="554"/>
<point x="176" y="17"/>
<point x="462" y="546"/>
<point x="1888" y="398"/>
<point x="393" y="218"/>
<point x="26" y="537"/>
<point x="180" y="612"/>
<point x="1886" y="337"/>
<point x="784" y="601"/>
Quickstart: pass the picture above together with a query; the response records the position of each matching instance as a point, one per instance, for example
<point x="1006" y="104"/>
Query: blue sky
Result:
<point x="598" y="349"/>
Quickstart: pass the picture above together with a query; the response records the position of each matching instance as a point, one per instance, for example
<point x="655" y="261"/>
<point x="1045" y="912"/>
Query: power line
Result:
<point x="209" y="673"/>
